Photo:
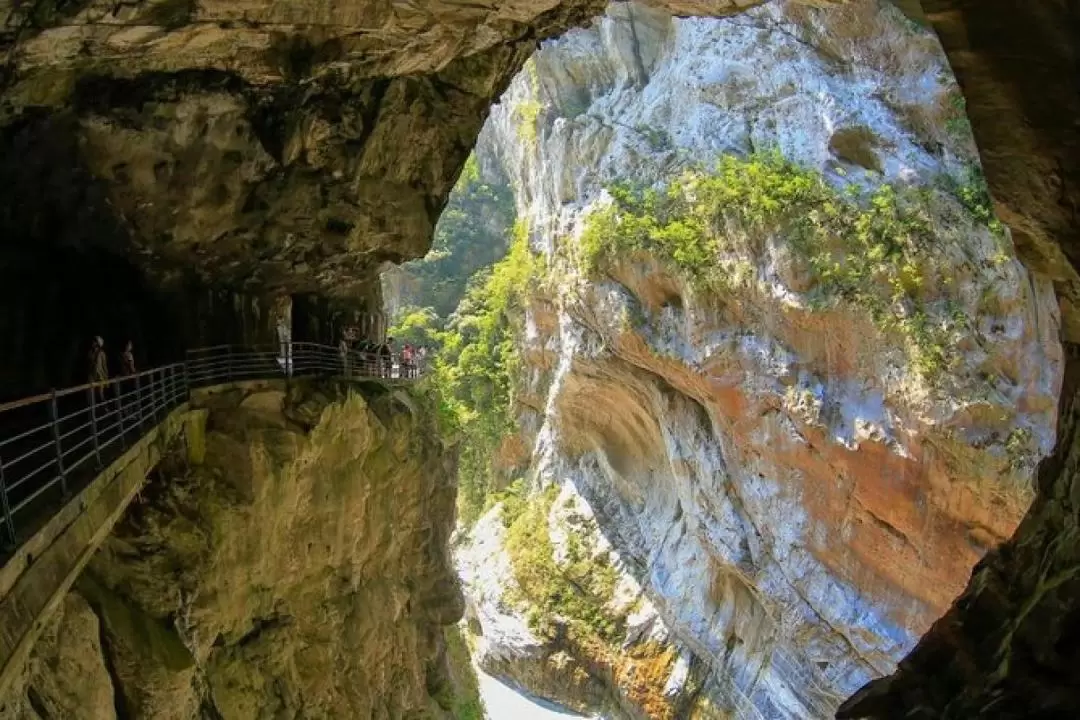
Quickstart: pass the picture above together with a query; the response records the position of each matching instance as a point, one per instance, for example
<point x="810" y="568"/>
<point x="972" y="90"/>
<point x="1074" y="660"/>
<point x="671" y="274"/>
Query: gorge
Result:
<point x="786" y="468"/>
<point x="763" y="475"/>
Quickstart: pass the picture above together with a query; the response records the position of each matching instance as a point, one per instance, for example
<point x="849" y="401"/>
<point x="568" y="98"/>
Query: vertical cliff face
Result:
<point x="794" y="455"/>
<point x="301" y="569"/>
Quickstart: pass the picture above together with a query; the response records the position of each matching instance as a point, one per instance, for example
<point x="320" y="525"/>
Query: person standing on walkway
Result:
<point x="99" y="367"/>
<point x="127" y="359"/>
<point x="421" y="359"/>
<point x="386" y="362"/>
<point x="127" y="369"/>
<point x="406" y="360"/>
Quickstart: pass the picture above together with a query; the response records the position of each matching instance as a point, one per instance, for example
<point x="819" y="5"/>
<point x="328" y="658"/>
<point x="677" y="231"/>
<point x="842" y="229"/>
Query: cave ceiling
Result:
<point x="270" y="146"/>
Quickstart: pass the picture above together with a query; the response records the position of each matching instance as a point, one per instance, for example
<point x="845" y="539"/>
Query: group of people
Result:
<point x="378" y="358"/>
<point x="98" y="364"/>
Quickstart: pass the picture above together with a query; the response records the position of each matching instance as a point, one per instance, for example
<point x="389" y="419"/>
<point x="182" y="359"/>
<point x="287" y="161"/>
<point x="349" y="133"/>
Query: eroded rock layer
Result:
<point x="301" y="570"/>
<point x="798" y="499"/>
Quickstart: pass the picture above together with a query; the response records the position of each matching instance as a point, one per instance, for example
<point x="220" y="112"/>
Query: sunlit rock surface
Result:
<point x="301" y="571"/>
<point x="797" y="503"/>
<point x="648" y="673"/>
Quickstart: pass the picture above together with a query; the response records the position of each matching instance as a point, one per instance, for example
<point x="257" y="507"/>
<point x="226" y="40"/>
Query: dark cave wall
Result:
<point x="67" y="274"/>
<point x="56" y="299"/>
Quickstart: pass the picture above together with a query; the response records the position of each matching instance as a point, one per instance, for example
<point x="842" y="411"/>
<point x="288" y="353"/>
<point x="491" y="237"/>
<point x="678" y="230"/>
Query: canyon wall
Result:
<point x="300" y="568"/>
<point x="791" y="482"/>
<point x="1017" y="63"/>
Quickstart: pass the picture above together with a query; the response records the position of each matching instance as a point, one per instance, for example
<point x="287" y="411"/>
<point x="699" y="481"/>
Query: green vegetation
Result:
<point x="460" y="695"/>
<point x="872" y="251"/>
<point x="956" y="119"/>
<point x="659" y="140"/>
<point x="473" y="375"/>
<point x="418" y="326"/>
<point x="577" y="592"/>
<point x="1018" y="448"/>
<point x="974" y="193"/>
<point x="527" y="112"/>
<point x="473" y="233"/>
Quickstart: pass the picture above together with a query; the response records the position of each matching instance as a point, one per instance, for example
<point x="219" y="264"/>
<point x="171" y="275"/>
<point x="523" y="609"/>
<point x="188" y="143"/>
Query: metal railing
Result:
<point x="52" y="445"/>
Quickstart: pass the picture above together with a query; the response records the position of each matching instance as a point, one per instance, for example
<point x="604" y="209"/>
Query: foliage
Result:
<point x="657" y="138"/>
<point x="473" y="232"/>
<point x="1018" y="448"/>
<point x="417" y="326"/>
<point x="577" y="593"/>
<point x="514" y="498"/>
<point x="527" y="114"/>
<point x="956" y="119"/>
<point x="974" y="193"/>
<point x="473" y="373"/>
<point x="872" y="250"/>
<point x="527" y="111"/>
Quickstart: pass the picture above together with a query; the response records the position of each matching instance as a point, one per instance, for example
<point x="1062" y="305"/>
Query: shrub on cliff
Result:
<point x="475" y="370"/>
<point x="473" y="233"/>
<point x="574" y="595"/>
<point x="873" y="251"/>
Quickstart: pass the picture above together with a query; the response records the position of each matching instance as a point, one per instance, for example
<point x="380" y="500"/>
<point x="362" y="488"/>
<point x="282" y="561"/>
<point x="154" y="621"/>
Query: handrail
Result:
<point x="23" y="402"/>
<point x="76" y="431"/>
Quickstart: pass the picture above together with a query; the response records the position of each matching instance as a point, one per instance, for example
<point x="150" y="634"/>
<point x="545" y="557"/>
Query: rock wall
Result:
<point x="266" y="147"/>
<point x="301" y="570"/>
<point x="1005" y="646"/>
<point x="795" y="501"/>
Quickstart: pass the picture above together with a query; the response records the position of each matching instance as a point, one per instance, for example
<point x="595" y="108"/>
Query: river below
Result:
<point x="505" y="703"/>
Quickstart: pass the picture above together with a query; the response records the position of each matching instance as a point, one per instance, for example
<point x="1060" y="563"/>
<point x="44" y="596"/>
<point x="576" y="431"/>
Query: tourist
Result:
<point x="127" y="359"/>
<point x="406" y="360"/>
<point x="386" y="362"/>
<point x="98" y="367"/>
<point x="371" y="357"/>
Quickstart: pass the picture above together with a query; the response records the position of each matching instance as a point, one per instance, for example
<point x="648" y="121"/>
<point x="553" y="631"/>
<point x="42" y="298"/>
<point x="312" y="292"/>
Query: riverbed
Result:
<point x="505" y="703"/>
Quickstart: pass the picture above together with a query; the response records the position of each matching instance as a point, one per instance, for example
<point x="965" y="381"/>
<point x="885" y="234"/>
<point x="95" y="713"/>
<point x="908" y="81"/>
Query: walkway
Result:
<point x="72" y="460"/>
<point x="54" y="444"/>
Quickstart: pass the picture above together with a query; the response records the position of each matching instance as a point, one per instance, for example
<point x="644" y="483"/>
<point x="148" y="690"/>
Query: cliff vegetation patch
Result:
<point x="876" y="251"/>
<point x="475" y="372"/>
<point x="574" y="596"/>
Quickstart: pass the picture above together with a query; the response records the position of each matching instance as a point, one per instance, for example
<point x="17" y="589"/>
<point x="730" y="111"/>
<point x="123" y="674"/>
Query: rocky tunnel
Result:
<point x="169" y="169"/>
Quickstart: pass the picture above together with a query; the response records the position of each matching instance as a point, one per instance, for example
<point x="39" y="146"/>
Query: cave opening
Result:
<point x="69" y="275"/>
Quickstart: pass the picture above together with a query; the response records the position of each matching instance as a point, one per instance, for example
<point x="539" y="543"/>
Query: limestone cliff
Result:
<point x="768" y="453"/>
<point x="300" y="569"/>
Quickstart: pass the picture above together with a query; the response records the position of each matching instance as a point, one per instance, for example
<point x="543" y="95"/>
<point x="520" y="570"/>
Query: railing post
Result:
<point x="187" y="381"/>
<point x="138" y="401"/>
<point x="120" y="412"/>
<point x="54" y="416"/>
<point x="9" y="523"/>
<point x="155" y="389"/>
<point x="229" y="364"/>
<point x="93" y="425"/>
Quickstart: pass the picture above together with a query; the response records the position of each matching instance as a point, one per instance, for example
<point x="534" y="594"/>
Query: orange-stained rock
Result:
<point x="799" y="499"/>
